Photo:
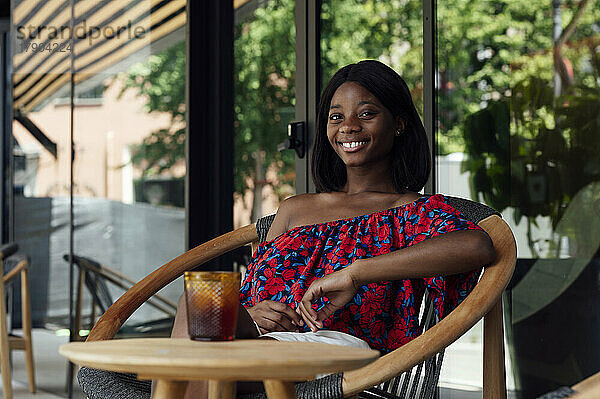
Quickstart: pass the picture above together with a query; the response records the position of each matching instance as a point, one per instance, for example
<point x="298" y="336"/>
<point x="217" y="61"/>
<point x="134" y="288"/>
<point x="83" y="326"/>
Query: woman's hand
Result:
<point x="339" y="288"/>
<point x="274" y="316"/>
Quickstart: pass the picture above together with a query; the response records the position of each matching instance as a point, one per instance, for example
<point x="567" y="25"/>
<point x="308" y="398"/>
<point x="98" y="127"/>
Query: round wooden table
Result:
<point x="174" y="361"/>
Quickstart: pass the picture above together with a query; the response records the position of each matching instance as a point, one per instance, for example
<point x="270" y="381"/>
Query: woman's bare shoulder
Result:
<point x="290" y="206"/>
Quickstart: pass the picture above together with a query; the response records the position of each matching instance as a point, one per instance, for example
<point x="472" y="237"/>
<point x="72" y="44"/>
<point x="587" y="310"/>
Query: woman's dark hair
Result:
<point x="411" y="162"/>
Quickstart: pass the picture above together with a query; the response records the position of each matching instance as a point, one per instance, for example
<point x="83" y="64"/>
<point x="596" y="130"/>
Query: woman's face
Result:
<point x="359" y="128"/>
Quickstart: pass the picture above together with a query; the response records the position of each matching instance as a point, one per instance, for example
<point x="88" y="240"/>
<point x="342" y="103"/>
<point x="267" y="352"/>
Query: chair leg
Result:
<point x="79" y="304"/>
<point x="494" y="374"/>
<point x="4" y="348"/>
<point x="26" y="321"/>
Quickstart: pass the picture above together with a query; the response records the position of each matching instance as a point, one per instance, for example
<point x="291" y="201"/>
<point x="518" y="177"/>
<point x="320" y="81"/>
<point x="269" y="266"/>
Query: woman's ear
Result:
<point x="400" y="124"/>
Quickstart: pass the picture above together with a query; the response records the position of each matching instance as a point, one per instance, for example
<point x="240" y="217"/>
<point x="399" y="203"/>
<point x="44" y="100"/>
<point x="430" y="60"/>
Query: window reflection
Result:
<point x="264" y="86"/>
<point x="126" y="62"/>
<point x="517" y="129"/>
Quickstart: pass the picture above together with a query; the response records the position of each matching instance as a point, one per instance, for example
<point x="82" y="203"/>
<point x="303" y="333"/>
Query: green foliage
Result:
<point x="390" y="31"/>
<point x="553" y="152"/>
<point x="264" y="52"/>
<point x="161" y="80"/>
<point x="495" y="66"/>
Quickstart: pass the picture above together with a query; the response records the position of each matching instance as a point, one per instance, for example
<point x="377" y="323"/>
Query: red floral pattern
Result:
<point x="384" y="314"/>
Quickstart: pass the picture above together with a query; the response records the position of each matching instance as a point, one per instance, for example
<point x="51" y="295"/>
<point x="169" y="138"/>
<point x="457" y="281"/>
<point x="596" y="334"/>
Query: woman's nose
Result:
<point x="350" y="125"/>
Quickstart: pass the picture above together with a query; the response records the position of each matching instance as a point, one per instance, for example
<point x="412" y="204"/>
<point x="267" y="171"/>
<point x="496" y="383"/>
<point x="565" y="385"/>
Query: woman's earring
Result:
<point x="398" y="132"/>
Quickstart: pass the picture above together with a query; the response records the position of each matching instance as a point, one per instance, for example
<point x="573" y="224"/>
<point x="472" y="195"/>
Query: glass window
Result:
<point x="126" y="67"/>
<point x="388" y="31"/>
<point x="264" y="104"/>
<point x="517" y="129"/>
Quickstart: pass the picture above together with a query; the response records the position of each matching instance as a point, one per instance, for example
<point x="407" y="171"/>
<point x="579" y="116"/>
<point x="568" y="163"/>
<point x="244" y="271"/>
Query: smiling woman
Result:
<point x="368" y="101"/>
<point x="322" y="267"/>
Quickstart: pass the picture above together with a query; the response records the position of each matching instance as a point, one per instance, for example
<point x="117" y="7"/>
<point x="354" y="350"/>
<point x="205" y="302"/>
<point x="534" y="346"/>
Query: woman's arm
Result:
<point x="450" y="253"/>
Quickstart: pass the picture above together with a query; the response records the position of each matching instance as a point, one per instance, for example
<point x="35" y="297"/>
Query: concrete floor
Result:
<point x="50" y="368"/>
<point x="21" y="391"/>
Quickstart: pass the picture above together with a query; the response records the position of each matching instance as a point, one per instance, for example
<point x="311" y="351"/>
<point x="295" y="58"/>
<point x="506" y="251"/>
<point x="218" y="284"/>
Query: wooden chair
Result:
<point x="11" y="342"/>
<point x="586" y="389"/>
<point x="385" y="373"/>
<point x="95" y="276"/>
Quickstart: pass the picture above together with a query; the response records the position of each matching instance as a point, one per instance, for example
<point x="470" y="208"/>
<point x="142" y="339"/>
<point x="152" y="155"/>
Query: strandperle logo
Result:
<point x="31" y="33"/>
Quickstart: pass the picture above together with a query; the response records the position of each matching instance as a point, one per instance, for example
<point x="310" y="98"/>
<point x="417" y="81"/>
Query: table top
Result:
<point x="184" y="359"/>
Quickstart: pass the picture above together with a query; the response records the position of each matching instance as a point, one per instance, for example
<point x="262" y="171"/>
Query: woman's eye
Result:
<point x="367" y="114"/>
<point x="335" y="117"/>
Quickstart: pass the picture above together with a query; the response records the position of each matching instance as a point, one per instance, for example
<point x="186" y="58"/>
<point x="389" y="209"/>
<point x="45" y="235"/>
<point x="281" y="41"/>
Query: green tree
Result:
<point x="264" y="52"/>
<point x="485" y="50"/>
<point x="161" y="80"/>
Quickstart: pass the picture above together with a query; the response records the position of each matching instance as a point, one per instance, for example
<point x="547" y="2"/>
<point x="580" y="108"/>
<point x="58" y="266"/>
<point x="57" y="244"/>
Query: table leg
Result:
<point x="166" y="389"/>
<point x="280" y="389"/>
<point x="221" y="389"/>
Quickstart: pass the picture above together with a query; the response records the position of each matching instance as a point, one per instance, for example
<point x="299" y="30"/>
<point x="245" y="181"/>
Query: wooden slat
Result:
<point x="221" y="389"/>
<point x="15" y="342"/>
<point x="26" y="321"/>
<point x="494" y="373"/>
<point x="169" y="389"/>
<point x="14" y="271"/>
<point x="4" y="345"/>
<point x="588" y="388"/>
<point x="280" y="389"/>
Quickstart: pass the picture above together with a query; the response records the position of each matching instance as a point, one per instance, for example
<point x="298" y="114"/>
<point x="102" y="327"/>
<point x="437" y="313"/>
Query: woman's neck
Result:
<point x="363" y="179"/>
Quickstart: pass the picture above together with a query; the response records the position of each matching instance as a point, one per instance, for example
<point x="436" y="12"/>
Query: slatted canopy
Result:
<point x="105" y="34"/>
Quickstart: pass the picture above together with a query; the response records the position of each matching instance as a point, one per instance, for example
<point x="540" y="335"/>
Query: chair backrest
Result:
<point x="109" y="323"/>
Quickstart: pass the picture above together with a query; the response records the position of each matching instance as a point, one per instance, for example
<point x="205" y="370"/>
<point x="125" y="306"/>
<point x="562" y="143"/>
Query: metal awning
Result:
<point x="106" y="33"/>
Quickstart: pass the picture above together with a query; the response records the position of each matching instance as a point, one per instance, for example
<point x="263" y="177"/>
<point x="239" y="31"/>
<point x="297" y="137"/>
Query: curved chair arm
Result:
<point x="114" y="317"/>
<point x="588" y="388"/>
<point x="486" y="294"/>
<point x="15" y="270"/>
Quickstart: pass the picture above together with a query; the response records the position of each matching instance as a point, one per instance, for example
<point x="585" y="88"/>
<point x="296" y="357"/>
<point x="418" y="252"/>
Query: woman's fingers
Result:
<point x="326" y="311"/>
<point x="339" y="289"/>
<point x="275" y="316"/>
<point x="287" y="311"/>
<point x="306" y="310"/>
<point x="283" y="315"/>
<point x="272" y="322"/>
<point x="310" y="323"/>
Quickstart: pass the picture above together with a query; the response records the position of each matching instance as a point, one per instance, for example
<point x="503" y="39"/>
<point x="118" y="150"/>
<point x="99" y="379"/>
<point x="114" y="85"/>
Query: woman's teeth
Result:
<point x="353" y="144"/>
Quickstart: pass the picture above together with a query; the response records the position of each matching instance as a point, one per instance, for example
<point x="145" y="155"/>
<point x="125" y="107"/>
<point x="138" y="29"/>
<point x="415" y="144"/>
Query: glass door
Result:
<point x="517" y="129"/>
<point x="264" y="105"/>
<point x="98" y="160"/>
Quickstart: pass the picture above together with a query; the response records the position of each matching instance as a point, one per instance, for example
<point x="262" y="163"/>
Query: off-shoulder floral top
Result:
<point x="384" y="314"/>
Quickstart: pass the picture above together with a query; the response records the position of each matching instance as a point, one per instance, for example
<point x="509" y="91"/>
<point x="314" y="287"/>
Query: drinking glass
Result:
<point x="212" y="300"/>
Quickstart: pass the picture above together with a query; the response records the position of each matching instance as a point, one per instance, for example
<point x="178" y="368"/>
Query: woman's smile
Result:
<point x="353" y="146"/>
